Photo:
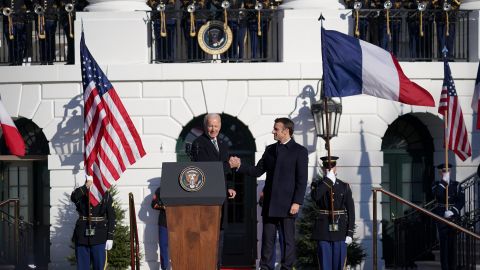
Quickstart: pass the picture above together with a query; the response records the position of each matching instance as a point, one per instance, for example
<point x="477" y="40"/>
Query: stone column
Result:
<point x="313" y="4"/>
<point x="116" y="5"/>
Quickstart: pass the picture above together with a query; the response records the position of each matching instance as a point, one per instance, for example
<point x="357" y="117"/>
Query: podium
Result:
<point x="193" y="194"/>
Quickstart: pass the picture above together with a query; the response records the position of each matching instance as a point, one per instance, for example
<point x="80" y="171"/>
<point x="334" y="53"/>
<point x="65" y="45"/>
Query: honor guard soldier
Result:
<point x="164" y="25"/>
<point x="93" y="234"/>
<point x="46" y="24"/>
<point x="157" y="204"/>
<point x="450" y="199"/>
<point x="335" y="222"/>
<point x="14" y="24"/>
<point x="67" y="10"/>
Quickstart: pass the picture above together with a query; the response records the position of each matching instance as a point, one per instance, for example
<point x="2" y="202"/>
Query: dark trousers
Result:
<point x="96" y="254"/>
<point x="280" y="241"/>
<point x="448" y="243"/>
<point x="70" y="55"/>
<point x="163" y="244"/>
<point x="444" y="40"/>
<point x="287" y="229"/>
<point x="165" y="46"/>
<point x="332" y="255"/>
<point x="47" y="45"/>
<point x="16" y="46"/>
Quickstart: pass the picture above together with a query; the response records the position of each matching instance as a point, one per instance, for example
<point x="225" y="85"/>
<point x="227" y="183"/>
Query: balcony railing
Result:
<point x="414" y="36"/>
<point x="255" y="36"/>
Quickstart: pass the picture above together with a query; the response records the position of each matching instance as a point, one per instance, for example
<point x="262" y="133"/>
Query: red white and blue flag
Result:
<point x="353" y="67"/>
<point x="476" y="97"/>
<point x="455" y="130"/>
<point x="111" y="140"/>
<point x="13" y="139"/>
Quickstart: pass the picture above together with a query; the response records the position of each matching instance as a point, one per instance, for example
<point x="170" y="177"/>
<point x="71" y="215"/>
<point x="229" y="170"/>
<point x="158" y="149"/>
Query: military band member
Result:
<point x="68" y="10"/>
<point x="46" y="24"/>
<point x="335" y="223"/>
<point x="157" y="204"/>
<point x="14" y="29"/>
<point x="258" y="21"/>
<point x="445" y="19"/>
<point x="391" y="26"/>
<point x="456" y="201"/>
<point x="164" y="26"/>
<point x="191" y="23"/>
<point x="93" y="234"/>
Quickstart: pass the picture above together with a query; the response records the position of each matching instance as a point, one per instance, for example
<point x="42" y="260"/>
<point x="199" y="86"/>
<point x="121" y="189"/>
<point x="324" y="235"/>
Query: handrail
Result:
<point x="9" y="201"/>
<point x="414" y="206"/>
<point x="17" y="224"/>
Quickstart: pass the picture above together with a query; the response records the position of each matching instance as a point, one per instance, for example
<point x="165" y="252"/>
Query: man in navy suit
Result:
<point x="285" y="163"/>
<point x="209" y="147"/>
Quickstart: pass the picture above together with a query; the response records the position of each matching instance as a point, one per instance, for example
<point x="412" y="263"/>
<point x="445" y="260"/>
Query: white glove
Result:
<point x="348" y="240"/>
<point x="446" y="177"/>
<point x="109" y="244"/>
<point x="448" y="214"/>
<point x="331" y="176"/>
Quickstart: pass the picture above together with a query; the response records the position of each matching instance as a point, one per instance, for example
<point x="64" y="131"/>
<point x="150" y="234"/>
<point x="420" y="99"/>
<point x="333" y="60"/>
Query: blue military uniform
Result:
<point x="194" y="53"/>
<point x="89" y="245"/>
<point x="332" y="226"/>
<point x="46" y="25"/>
<point x="446" y="234"/>
<point x="162" y="229"/>
<point x="67" y="21"/>
<point x="14" y="29"/>
<point x="164" y="44"/>
<point x="446" y="38"/>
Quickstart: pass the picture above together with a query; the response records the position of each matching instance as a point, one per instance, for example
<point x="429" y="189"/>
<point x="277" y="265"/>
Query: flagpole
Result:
<point x="446" y="136"/>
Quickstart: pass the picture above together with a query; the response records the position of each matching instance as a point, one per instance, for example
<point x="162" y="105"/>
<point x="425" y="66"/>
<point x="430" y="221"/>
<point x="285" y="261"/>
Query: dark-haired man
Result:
<point x="285" y="163"/>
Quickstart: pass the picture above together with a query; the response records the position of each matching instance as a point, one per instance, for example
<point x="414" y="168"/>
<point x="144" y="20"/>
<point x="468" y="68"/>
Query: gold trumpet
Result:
<point x="447" y="7"/>
<point x="163" y="27"/>
<point x="40" y="11"/>
<point x="357" y="6"/>
<point x="8" y="12"/>
<point x="422" y="6"/>
<point x="225" y="6"/>
<point x="259" y="7"/>
<point x="387" y="6"/>
<point x="69" y="9"/>
<point x="191" y="9"/>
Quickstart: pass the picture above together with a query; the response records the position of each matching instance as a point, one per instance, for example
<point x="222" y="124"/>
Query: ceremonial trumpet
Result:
<point x="357" y="5"/>
<point x="69" y="7"/>
<point x="7" y="11"/>
<point x="225" y="4"/>
<point x="39" y="10"/>
<point x="387" y="4"/>
<point x="422" y="6"/>
<point x="258" y="6"/>
<point x="447" y="6"/>
<point x="191" y="8"/>
<point x="161" y="7"/>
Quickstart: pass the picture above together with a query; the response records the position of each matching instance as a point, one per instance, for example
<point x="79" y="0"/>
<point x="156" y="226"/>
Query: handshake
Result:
<point x="234" y="162"/>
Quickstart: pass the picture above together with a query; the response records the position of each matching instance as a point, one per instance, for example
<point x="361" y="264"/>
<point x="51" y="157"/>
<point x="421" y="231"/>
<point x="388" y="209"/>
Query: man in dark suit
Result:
<point x="93" y="234"/>
<point x="209" y="147"/>
<point x="335" y="223"/>
<point x="285" y="163"/>
<point x="456" y="200"/>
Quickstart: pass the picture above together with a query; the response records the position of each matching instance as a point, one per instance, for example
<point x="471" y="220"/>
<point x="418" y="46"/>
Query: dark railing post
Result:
<point x="16" y="236"/>
<point x="374" y="229"/>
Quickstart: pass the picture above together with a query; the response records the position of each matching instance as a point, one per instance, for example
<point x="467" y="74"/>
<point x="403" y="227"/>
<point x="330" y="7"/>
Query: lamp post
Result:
<point x="326" y="114"/>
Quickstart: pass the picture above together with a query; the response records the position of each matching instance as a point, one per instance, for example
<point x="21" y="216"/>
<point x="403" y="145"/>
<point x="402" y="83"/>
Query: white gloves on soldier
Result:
<point x="331" y="176"/>
<point x="446" y="177"/>
<point x="448" y="214"/>
<point x="109" y="244"/>
<point x="348" y="240"/>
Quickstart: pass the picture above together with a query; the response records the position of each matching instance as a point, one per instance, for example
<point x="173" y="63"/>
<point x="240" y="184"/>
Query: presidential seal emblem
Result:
<point x="192" y="179"/>
<point x="215" y="37"/>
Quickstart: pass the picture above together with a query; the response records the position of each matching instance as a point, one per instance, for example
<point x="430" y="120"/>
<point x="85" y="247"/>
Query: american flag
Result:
<point x="455" y="132"/>
<point x="111" y="140"/>
<point x="476" y="97"/>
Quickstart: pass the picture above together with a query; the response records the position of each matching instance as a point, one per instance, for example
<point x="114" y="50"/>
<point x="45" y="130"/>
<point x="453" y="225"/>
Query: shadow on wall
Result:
<point x="61" y="233"/>
<point x="303" y="119"/>
<point x="475" y="140"/>
<point x="149" y="217"/>
<point x="67" y="141"/>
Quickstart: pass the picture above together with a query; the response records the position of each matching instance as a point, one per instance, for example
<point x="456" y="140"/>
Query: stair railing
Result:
<point x="16" y="218"/>
<point x="414" y="206"/>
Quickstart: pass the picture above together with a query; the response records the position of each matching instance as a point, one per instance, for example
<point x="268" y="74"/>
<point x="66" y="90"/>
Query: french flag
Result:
<point x="353" y="67"/>
<point x="13" y="140"/>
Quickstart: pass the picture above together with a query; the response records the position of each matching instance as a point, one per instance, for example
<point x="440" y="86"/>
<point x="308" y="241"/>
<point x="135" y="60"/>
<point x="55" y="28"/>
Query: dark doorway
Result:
<point x="240" y="246"/>
<point x="27" y="179"/>
<point x="408" y="172"/>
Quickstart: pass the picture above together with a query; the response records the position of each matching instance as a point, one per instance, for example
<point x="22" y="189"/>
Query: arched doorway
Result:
<point x="27" y="179"/>
<point x="240" y="246"/>
<point x="407" y="171"/>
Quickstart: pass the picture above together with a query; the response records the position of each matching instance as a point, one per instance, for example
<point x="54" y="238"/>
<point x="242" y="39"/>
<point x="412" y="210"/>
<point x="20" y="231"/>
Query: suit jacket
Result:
<point x="342" y="201"/>
<point x="204" y="150"/>
<point x="286" y="166"/>
<point x="103" y="229"/>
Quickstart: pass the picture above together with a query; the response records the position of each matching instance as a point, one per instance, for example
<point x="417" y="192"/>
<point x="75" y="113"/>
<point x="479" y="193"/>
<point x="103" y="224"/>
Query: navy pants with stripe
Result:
<point x="86" y="254"/>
